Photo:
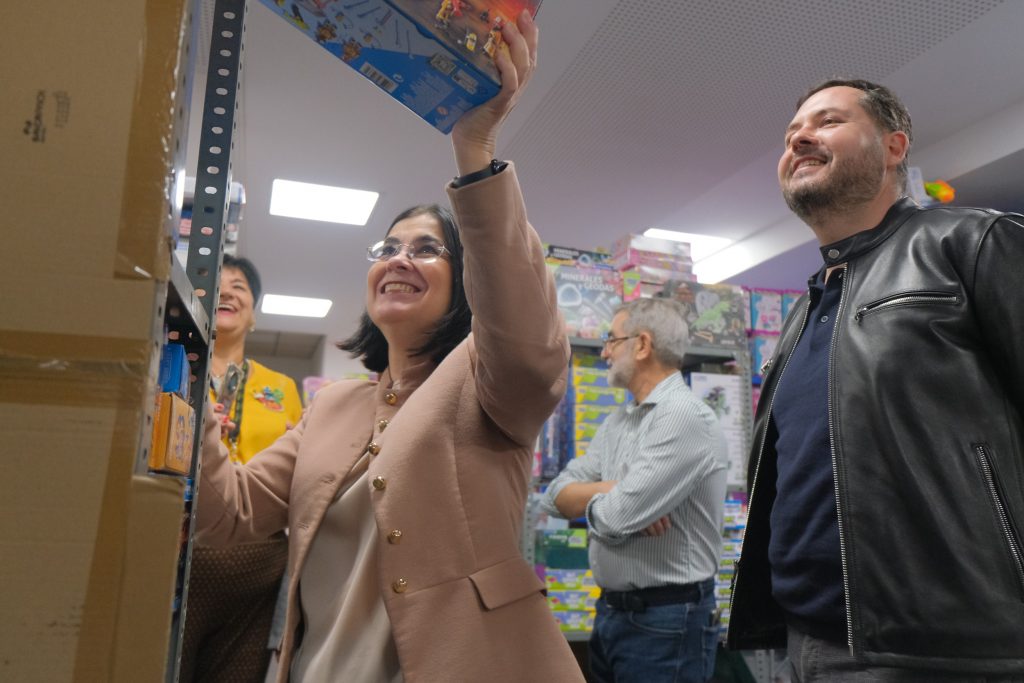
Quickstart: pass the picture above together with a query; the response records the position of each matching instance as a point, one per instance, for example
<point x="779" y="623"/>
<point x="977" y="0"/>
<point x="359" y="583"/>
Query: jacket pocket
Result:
<point x="915" y="298"/>
<point x="1003" y="518"/>
<point x="505" y="582"/>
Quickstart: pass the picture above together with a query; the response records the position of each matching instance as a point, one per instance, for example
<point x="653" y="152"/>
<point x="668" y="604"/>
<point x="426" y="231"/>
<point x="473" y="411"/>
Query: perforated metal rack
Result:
<point x="195" y="291"/>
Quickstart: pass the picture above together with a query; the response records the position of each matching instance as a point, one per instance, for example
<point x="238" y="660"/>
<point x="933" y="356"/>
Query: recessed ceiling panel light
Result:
<point x="293" y="199"/>
<point x="306" y="307"/>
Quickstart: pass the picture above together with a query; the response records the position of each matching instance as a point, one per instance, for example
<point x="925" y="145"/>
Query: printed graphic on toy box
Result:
<point x="724" y="394"/>
<point x="433" y="56"/>
<point x="715" y="313"/>
<point x="587" y="298"/>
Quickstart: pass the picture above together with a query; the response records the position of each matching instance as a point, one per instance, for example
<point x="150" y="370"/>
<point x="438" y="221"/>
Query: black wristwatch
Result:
<point x="494" y="168"/>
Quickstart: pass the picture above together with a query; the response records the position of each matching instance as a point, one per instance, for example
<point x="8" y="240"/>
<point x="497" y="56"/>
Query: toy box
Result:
<point x="635" y="287"/>
<point x="562" y="548"/>
<point x="762" y="347"/>
<point x="598" y="396"/>
<point x="592" y="414"/>
<point x="575" y="620"/>
<point x="789" y="299"/>
<point x="727" y="395"/>
<point x="433" y="56"/>
<point x="765" y="310"/>
<point x="174" y="370"/>
<point x="589" y="377"/>
<point x="587" y="358"/>
<point x="562" y="600"/>
<point x="569" y="579"/>
<point x="715" y="314"/>
<point x="638" y="244"/>
<point x="570" y="256"/>
<point x="173" y="430"/>
<point x="587" y="298"/>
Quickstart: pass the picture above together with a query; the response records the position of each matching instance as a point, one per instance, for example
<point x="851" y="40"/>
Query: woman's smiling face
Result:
<point x="407" y="293"/>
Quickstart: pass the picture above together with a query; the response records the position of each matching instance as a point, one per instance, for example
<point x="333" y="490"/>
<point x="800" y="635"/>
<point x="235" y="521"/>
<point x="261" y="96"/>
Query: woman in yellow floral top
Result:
<point x="232" y="591"/>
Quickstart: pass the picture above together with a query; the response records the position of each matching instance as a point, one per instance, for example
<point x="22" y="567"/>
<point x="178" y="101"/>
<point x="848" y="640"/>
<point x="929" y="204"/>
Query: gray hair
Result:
<point x="665" y="321"/>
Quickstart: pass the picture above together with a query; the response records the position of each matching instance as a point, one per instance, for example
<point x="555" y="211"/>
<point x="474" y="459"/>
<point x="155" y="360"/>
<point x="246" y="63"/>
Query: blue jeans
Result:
<point x="662" y="644"/>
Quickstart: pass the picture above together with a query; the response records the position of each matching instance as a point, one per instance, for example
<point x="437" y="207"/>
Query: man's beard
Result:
<point x="847" y="185"/>
<point x="621" y="372"/>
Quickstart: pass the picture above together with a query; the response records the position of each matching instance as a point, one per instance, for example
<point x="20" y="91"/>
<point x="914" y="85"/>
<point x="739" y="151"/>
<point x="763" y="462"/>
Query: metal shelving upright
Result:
<point x="194" y="290"/>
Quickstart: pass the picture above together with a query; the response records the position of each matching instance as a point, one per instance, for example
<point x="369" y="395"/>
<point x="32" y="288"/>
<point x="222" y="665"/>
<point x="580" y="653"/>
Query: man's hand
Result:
<point x="572" y="501"/>
<point x="658" y="528"/>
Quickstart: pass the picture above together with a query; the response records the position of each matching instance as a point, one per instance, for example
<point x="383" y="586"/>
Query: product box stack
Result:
<point x="726" y="395"/>
<point x="733" y="524"/>
<point x="768" y="310"/>
<point x="650" y="264"/>
<point x="589" y="289"/>
<point x="174" y="421"/>
<point x="561" y="555"/>
<point x="94" y="100"/>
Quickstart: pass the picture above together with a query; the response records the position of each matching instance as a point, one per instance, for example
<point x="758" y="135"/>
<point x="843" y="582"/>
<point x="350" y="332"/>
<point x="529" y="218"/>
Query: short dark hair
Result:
<point x="887" y="111"/>
<point x="368" y="342"/>
<point x="248" y="270"/>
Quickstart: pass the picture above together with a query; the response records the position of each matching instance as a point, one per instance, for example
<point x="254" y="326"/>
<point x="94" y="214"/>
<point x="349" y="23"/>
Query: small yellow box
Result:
<point x="173" y="431"/>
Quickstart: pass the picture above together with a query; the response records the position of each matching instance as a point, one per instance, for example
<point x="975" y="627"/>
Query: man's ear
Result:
<point x="644" y="346"/>
<point x="897" y="144"/>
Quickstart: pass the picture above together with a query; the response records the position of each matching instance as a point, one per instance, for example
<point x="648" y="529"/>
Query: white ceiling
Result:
<point x="659" y="113"/>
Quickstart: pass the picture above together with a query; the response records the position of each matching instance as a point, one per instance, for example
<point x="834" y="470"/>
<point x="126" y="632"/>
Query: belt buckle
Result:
<point x="634" y="603"/>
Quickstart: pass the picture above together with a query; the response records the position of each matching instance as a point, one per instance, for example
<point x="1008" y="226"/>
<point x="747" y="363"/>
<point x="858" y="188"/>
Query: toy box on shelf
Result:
<point x="726" y="395"/>
<point x="587" y="298"/>
<point x="715" y="313"/>
<point x="435" y="57"/>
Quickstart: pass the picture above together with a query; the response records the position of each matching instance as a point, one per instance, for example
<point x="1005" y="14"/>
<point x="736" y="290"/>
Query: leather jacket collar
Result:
<point x="866" y="240"/>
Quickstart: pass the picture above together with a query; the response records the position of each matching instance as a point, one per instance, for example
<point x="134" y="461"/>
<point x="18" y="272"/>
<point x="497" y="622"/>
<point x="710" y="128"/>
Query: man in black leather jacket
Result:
<point x="885" y="538"/>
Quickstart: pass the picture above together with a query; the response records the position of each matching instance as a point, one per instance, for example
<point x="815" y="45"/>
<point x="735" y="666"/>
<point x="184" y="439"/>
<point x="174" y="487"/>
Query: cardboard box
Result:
<point x="174" y="428"/>
<point x="88" y="552"/>
<point x="433" y="56"/>
<point x="91" y="137"/>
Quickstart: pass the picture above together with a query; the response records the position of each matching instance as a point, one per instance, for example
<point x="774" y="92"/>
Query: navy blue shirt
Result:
<point x="804" y="551"/>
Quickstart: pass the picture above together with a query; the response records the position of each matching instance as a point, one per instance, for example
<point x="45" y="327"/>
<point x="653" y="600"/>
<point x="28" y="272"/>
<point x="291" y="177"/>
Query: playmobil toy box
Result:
<point x="433" y="56"/>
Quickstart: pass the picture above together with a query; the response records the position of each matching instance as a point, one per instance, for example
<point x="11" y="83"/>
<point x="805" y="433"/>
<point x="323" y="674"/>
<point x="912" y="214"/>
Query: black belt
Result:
<point x="642" y="598"/>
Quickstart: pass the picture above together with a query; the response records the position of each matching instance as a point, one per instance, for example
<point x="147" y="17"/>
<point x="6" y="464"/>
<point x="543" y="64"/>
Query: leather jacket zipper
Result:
<point x="835" y="462"/>
<point x="764" y="437"/>
<point x="904" y="299"/>
<point x="1016" y="554"/>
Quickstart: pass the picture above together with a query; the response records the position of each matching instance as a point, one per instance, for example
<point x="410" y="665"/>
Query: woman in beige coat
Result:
<point x="404" y="498"/>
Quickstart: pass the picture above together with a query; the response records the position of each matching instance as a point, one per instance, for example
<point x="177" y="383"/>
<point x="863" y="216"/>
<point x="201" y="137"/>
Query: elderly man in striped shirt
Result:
<point x="652" y="489"/>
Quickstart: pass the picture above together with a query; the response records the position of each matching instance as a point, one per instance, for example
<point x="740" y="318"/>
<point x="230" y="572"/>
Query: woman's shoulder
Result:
<point x="259" y="371"/>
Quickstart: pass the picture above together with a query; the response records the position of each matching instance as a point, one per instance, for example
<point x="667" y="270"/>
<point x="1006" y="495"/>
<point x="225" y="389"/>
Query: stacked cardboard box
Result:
<point x="93" y="96"/>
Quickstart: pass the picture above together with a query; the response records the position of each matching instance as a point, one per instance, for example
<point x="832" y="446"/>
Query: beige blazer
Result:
<point x="454" y="447"/>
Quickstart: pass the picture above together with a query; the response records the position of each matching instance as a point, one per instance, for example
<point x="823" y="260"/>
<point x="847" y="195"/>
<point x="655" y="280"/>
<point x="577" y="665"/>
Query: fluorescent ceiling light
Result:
<point x="278" y="304"/>
<point x="701" y="246"/>
<point x="321" y="202"/>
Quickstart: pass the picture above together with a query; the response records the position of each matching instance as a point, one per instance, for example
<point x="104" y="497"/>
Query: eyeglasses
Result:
<point x="424" y="251"/>
<point x="609" y="341"/>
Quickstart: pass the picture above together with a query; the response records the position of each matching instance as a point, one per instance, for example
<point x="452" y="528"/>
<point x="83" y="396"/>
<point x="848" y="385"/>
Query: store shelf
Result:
<point x="185" y="312"/>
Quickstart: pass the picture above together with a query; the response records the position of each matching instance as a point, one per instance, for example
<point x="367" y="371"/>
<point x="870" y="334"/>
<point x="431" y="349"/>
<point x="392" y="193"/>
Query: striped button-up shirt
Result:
<point x="669" y="457"/>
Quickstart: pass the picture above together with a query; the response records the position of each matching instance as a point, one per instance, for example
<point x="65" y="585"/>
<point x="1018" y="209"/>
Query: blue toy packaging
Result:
<point x="433" y="56"/>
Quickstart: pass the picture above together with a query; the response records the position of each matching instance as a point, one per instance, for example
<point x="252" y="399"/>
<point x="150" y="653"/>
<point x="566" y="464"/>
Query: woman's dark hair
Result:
<point x="368" y="342"/>
<point x="252" y="276"/>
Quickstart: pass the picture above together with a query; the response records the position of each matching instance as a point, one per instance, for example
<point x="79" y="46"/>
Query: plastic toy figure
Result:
<point x="326" y="30"/>
<point x="444" y="13"/>
<point x="494" y="36"/>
